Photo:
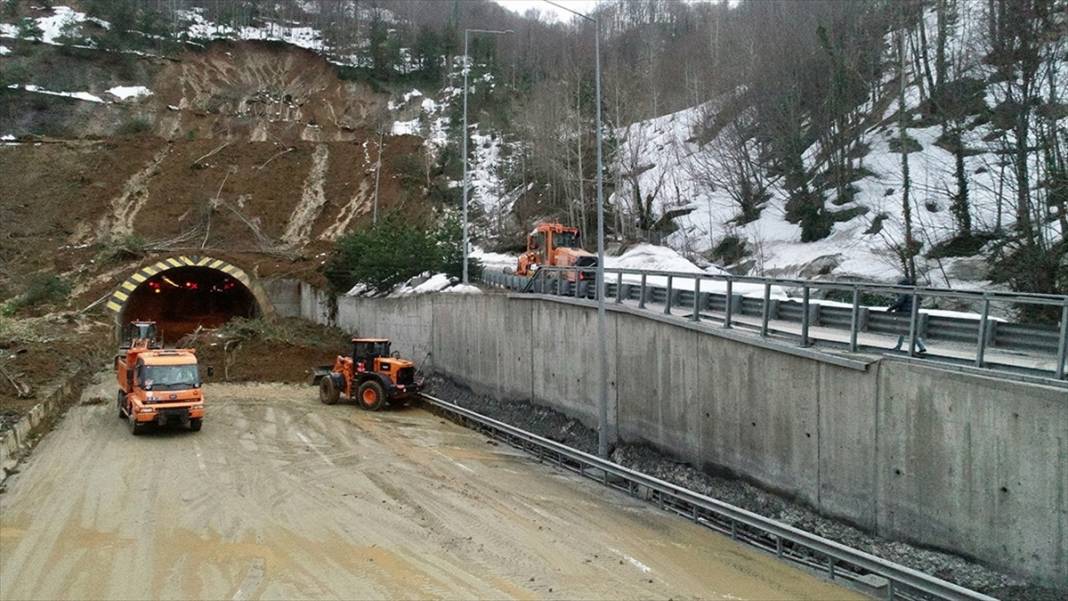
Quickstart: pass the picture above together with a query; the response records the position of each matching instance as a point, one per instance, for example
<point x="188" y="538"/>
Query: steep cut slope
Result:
<point x="255" y="148"/>
<point x="263" y="91"/>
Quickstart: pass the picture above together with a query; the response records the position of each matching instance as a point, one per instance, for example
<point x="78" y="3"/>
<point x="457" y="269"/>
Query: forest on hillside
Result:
<point x="785" y="97"/>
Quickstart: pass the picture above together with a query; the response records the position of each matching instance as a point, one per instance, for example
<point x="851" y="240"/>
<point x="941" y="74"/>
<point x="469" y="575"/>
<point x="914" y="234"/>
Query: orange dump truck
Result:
<point x="157" y="386"/>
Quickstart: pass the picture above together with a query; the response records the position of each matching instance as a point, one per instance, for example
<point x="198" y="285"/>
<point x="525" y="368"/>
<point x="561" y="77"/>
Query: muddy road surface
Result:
<point x="282" y="497"/>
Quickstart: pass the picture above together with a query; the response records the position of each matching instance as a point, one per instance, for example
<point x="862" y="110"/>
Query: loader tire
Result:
<point x="196" y="424"/>
<point x="371" y="396"/>
<point x="328" y="392"/>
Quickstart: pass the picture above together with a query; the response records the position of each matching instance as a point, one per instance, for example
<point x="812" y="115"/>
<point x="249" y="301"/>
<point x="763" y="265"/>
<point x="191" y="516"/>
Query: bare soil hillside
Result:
<point x="254" y="151"/>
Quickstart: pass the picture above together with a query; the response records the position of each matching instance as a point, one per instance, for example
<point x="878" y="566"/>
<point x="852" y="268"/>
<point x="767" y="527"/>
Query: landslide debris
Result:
<point x="266" y="350"/>
<point x="37" y="354"/>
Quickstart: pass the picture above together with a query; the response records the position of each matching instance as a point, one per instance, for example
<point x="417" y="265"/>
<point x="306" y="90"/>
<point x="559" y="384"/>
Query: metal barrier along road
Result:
<point x="757" y="306"/>
<point x="835" y="560"/>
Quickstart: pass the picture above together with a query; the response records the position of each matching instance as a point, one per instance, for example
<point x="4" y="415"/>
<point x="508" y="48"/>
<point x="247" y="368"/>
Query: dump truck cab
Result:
<point x="555" y="245"/>
<point x="157" y="386"/>
<point x="372" y="376"/>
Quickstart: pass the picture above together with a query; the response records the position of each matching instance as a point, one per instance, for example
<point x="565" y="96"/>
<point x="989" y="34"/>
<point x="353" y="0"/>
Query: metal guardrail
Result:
<point x="835" y="560"/>
<point x="985" y="332"/>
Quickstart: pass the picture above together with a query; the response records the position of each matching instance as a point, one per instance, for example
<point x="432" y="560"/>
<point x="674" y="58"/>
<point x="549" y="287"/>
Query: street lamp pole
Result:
<point x="463" y="210"/>
<point x="602" y="342"/>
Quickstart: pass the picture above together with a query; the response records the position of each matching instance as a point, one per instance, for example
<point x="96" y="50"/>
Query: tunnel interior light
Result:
<point x="170" y="281"/>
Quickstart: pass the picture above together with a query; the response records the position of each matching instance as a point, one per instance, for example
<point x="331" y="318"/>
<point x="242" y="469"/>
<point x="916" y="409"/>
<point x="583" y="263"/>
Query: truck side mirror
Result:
<point x="211" y="372"/>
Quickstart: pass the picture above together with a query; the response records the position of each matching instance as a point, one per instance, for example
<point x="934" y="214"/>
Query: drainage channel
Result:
<point x="884" y="579"/>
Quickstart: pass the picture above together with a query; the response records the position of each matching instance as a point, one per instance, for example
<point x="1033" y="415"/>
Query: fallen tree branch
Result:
<point x="197" y="162"/>
<point x="96" y="302"/>
<point x="22" y="391"/>
<point x="215" y="202"/>
<point x="275" y="156"/>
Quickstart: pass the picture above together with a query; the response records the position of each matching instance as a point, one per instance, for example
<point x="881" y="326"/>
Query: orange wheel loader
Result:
<point x="372" y="376"/>
<point x="555" y="245"/>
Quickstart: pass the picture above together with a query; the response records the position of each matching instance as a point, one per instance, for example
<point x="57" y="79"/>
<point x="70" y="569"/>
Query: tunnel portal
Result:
<point x="184" y="293"/>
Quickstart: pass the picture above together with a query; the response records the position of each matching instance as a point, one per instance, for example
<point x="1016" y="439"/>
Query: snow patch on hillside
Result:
<point x="125" y="92"/>
<point x="303" y="37"/>
<point x="425" y="283"/>
<point x="52" y="25"/>
<point x="86" y="96"/>
<point x="405" y="128"/>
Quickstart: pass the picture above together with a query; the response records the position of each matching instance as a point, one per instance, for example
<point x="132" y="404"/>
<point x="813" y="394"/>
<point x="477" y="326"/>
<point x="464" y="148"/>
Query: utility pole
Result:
<point x="602" y="335"/>
<point x="463" y="206"/>
<point x="378" y="171"/>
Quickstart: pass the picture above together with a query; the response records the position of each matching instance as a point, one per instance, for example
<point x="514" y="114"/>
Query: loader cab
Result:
<point x="546" y="238"/>
<point x="566" y="239"/>
<point x="366" y="350"/>
<point x="140" y="332"/>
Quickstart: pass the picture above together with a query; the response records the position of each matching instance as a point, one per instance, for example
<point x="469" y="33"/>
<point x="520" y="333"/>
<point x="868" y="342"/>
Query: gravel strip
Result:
<point x="556" y="426"/>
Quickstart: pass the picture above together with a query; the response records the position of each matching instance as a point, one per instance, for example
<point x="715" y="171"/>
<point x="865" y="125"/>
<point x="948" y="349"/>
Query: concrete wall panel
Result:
<point x="847" y="444"/>
<point x="975" y="464"/>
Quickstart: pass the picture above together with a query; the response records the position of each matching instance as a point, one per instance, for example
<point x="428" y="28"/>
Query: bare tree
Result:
<point x="729" y="164"/>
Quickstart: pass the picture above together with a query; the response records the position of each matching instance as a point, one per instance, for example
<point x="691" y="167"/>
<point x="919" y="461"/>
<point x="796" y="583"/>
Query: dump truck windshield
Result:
<point x="565" y="239"/>
<point x="174" y="377"/>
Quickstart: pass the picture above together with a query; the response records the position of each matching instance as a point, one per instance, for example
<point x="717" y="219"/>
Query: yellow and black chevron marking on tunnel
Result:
<point x="122" y="293"/>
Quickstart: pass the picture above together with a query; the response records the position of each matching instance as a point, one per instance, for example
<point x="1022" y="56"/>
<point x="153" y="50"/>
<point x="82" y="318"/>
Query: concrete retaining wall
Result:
<point x="951" y="460"/>
<point x="16" y="442"/>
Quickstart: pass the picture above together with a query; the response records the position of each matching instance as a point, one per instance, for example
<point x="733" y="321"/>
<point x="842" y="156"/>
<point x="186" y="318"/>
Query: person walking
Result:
<point x="903" y="304"/>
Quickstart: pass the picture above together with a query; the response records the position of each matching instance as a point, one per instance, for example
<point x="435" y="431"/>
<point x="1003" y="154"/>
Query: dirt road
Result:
<point x="282" y="497"/>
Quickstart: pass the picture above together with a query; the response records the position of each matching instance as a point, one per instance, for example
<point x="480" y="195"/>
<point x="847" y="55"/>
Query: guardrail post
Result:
<point x="696" y="299"/>
<point x="766" y="310"/>
<point x="729" y="308"/>
<point x="641" y="297"/>
<point x="854" y="320"/>
<point x="913" y="325"/>
<point x="980" y="348"/>
<point x="804" y="315"/>
<point x="578" y="284"/>
<point x="1062" y="348"/>
<point x="667" y="300"/>
<point x="619" y="287"/>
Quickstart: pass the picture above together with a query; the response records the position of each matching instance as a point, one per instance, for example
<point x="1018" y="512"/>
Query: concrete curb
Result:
<point x="16" y="443"/>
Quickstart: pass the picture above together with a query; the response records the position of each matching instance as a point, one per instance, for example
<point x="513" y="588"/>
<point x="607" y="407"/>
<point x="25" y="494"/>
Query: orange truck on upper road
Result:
<point x="156" y="385"/>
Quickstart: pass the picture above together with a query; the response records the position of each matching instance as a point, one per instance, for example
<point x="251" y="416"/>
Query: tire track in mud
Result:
<point x="247" y="508"/>
<point x="312" y="199"/>
<point x="125" y="207"/>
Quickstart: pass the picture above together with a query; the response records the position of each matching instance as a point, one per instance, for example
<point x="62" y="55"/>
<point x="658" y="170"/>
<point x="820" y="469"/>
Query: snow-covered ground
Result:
<point x="52" y="25"/>
<point x="76" y="95"/>
<point x="125" y="92"/>
<point x="667" y="144"/>
<point x="426" y="283"/>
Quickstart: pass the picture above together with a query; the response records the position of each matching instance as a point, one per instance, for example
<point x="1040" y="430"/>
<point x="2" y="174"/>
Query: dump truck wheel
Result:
<point x="196" y="424"/>
<point x="135" y="428"/>
<point x="371" y="395"/>
<point x="328" y="392"/>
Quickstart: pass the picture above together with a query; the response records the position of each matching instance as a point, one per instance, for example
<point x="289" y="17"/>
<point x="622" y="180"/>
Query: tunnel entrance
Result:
<point x="182" y="294"/>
